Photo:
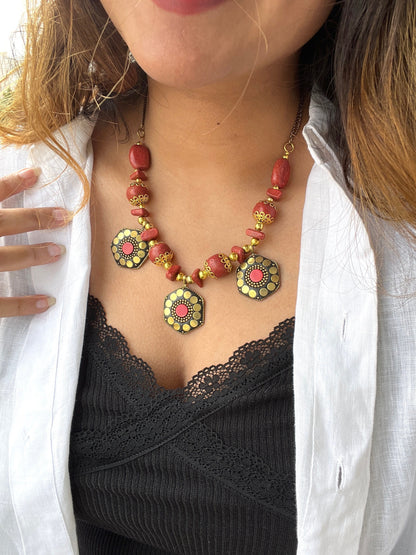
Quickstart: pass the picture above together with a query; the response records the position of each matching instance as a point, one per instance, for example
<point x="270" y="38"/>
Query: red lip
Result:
<point x="187" y="7"/>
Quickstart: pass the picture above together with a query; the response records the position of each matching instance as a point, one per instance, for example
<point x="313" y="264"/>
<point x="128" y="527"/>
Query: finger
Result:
<point x="23" y="306"/>
<point x="20" y="220"/>
<point x="18" y="182"/>
<point x="23" y="256"/>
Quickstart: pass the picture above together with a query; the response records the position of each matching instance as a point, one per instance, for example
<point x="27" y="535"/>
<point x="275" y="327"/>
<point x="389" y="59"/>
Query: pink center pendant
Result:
<point x="128" y="248"/>
<point x="258" y="277"/>
<point x="184" y="310"/>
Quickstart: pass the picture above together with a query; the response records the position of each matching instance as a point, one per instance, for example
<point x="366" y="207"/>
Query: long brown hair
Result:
<point x="363" y="59"/>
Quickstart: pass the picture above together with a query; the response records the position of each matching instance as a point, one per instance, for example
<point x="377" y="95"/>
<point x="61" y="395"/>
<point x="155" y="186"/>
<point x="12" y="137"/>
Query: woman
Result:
<point x="165" y="457"/>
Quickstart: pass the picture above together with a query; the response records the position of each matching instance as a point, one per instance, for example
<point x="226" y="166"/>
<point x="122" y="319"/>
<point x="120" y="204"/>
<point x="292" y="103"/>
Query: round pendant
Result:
<point x="258" y="277"/>
<point x="128" y="249"/>
<point x="184" y="310"/>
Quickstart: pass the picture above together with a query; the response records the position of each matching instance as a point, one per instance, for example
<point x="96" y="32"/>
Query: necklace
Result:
<point x="257" y="277"/>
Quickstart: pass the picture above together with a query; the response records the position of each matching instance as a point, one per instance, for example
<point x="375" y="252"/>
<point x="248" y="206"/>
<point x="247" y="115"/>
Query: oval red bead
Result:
<point x="219" y="265"/>
<point x="255" y="234"/>
<point x="160" y="253"/>
<point x="138" y="174"/>
<point x="240" y="252"/>
<point x="149" y="234"/>
<point x="264" y="212"/>
<point x="275" y="194"/>
<point x="281" y="173"/>
<point x="173" y="272"/>
<point x="139" y="212"/>
<point x="139" y="157"/>
<point x="196" y="279"/>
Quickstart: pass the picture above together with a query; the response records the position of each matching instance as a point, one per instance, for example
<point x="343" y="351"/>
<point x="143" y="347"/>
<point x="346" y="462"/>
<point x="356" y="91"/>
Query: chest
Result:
<point x="196" y="223"/>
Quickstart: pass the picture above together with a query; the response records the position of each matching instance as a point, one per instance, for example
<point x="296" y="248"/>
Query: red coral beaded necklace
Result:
<point x="257" y="277"/>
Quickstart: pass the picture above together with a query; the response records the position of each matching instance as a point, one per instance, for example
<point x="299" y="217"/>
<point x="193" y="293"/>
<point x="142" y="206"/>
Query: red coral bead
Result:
<point x="240" y="252"/>
<point x="137" y="194"/>
<point x="196" y="279"/>
<point x="173" y="272"/>
<point x="160" y="253"/>
<point x="281" y="173"/>
<point x="138" y="174"/>
<point x="139" y="157"/>
<point x="135" y="191"/>
<point x="149" y="234"/>
<point x="264" y="212"/>
<point x="255" y="234"/>
<point x="218" y="265"/>
<point x="275" y="194"/>
<point x="140" y="212"/>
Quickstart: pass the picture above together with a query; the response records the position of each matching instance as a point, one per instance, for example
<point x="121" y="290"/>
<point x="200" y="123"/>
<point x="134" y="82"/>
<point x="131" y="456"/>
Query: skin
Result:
<point x="13" y="221"/>
<point x="221" y="106"/>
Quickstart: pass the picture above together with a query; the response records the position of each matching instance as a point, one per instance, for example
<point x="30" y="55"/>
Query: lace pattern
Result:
<point x="142" y="416"/>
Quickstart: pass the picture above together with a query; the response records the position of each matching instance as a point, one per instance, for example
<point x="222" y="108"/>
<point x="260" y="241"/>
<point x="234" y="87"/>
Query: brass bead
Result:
<point x="189" y="280"/>
<point x="142" y="220"/>
<point x="167" y="265"/>
<point x="259" y="226"/>
<point x="203" y="275"/>
<point x="255" y="242"/>
<point x="148" y="225"/>
<point x="153" y="242"/>
<point x="270" y="200"/>
<point x="180" y="276"/>
<point x="248" y="248"/>
<point x="233" y="257"/>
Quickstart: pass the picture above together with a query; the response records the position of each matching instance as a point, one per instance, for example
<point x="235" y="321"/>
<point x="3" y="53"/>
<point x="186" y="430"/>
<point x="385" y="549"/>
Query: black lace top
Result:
<point x="204" y="469"/>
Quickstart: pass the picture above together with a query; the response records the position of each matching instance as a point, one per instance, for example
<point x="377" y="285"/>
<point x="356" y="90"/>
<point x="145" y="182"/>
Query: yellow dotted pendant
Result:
<point x="184" y="310"/>
<point x="129" y="251"/>
<point x="258" y="277"/>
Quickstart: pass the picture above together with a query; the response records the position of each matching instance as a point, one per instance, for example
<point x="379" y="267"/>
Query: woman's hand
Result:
<point x="21" y="220"/>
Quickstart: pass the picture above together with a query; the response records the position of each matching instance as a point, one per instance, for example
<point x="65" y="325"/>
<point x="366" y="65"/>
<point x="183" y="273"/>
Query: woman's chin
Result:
<point x="184" y="74"/>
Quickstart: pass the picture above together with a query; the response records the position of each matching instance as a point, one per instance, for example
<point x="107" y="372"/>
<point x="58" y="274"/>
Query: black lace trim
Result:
<point x="148" y="414"/>
<point x="240" y="469"/>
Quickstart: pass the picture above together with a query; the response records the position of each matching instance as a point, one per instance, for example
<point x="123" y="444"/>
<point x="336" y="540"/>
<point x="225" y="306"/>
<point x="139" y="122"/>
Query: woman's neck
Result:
<point x="226" y="131"/>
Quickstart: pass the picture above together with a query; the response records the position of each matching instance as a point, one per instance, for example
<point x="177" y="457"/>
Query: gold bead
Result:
<point x="203" y="275"/>
<point x="142" y="220"/>
<point x="270" y="200"/>
<point x="248" y="248"/>
<point x="255" y="242"/>
<point x="153" y="242"/>
<point x="180" y="276"/>
<point x="148" y="225"/>
<point x="189" y="280"/>
<point x="259" y="226"/>
<point x="233" y="256"/>
<point x="167" y="265"/>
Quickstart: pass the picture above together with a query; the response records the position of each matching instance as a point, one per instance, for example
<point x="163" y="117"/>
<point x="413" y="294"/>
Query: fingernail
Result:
<point x="43" y="304"/>
<point x="56" y="250"/>
<point x="29" y="176"/>
<point x="60" y="216"/>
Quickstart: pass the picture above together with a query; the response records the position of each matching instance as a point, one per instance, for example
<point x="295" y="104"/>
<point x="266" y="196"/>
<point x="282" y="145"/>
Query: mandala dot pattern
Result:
<point x="258" y="277"/>
<point x="184" y="310"/>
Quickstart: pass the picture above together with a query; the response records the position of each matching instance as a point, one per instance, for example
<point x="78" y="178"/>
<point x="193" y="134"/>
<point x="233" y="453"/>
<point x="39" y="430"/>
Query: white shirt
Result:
<point x="354" y="368"/>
